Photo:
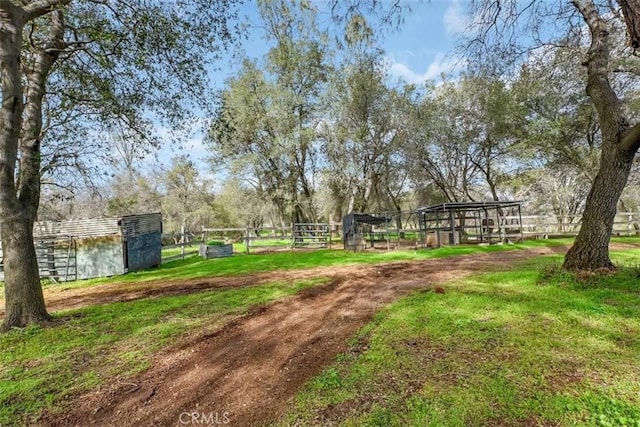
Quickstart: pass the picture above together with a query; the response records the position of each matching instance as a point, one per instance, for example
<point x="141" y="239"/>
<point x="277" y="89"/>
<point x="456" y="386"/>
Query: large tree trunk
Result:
<point x="20" y="131"/>
<point x="620" y="142"/>
<point x="591" y="248"/>
<point x="24" y="301"/>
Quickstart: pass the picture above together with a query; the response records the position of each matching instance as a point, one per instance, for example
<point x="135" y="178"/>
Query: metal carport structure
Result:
<point x="357" y="226"/>
<point x="467" y="222"/>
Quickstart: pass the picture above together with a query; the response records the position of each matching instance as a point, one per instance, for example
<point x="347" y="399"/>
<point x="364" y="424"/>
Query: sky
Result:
<point x="419" y="50"/>
<point x="423" y="47"/>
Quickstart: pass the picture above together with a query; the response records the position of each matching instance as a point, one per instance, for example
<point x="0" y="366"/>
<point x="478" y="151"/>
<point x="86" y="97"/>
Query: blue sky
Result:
<point x="419" y="50"/>
<point x="423" y="46"/>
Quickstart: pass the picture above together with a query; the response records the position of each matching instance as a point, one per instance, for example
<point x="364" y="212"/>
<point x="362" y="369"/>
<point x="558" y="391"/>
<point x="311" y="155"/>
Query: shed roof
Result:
<point x="469" y="206"/>
<point x="368" y="218"/>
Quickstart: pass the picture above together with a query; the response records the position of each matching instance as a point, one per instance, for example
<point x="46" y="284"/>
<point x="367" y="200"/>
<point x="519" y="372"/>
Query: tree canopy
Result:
<point x="72" y="70"/>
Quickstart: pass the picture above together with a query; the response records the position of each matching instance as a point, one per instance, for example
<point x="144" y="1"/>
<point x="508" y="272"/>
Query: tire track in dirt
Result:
<point x="248" y="372"/>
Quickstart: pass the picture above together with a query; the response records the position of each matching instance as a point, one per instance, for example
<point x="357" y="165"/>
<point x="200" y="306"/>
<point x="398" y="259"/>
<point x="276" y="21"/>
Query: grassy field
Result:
<point x="533" y="346"/>
<point x="528" y="344"/>
<point x="241" y="264"/>
<point x="39" y="367"/>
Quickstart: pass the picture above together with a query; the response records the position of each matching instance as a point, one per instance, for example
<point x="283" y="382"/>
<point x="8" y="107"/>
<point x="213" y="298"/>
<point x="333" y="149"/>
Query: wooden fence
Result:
<point x="324" y="235"/>
<point x="295" y="236"/>
<point x="187" y="246"/>
<point x="625" y="224"/>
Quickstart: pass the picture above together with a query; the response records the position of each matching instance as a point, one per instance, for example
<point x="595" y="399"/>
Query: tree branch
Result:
<point x="599" y="88"/>
<point x="8" y="9"/>
<point x="11" y="27"/>
<point x="631" y="141"/>
<point x="42" y="7"/>
<point x="29" y="177"/>
<point x="631" y="11"/>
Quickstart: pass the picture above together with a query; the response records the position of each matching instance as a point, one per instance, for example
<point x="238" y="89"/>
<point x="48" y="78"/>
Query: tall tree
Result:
<point x="268" y="115"/>
<point x="361" y="134"/>
<point x="561" y="139"/>
<point x="188" y="196"/>
<point x="108" y="61"/>
<point x="440" y="149"/>
<point x="620" y="137"/>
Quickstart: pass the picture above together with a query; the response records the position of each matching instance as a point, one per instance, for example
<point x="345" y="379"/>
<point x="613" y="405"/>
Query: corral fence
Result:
<point x="539" y="226"/>
<point x="402" y="230"/>
<point x="397" y="233"/>
<point x="179" y="245"/>
<point x="270" y="239"/>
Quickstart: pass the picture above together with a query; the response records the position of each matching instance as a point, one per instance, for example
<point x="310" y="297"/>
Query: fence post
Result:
<point x="246" y="240"/>
<point x="293" y="235"/>
<point x="182" y="241"/>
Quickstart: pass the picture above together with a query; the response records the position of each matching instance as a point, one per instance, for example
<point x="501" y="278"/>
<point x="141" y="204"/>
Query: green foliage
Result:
<point x="127" y="66"/>
<point x="187" y="200"/>
<point x="328" y="380"/>
<point x="361" y="139"/>
<point x="475" y="158"/>
<point x="265" y="126"/>
<point x="605" y="411"/>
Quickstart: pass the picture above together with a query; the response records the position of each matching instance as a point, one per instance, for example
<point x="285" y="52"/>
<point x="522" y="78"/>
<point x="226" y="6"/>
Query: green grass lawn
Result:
<point x="40" y="367"/>
<point x="241" y="264"/>
<point x="527" y="344"/>
<point x="532" y="346"/>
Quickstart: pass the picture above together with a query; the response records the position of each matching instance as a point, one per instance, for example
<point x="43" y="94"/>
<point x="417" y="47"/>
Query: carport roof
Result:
<point x="469" y="206"/>
<point x="369" y="219"/>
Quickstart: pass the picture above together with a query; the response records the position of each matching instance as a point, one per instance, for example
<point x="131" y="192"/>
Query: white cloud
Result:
<point x="455" y="20"/>
<point x="441" y="64"/>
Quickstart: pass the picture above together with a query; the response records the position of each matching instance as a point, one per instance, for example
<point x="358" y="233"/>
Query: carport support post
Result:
<point x="438" y="229"/>
<point x="424" y="230"/>
<point x="452" y="219"/>
<point x="387" y="236"/>
<point x="499" y="218"/>
<point x="486" y="219"/>
<point x="293" y="234"/>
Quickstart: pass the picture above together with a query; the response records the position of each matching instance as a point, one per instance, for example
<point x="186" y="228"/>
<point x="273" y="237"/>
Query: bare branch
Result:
<point x="42" y="7"/>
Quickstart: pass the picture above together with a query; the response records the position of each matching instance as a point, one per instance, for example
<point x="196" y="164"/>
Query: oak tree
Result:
<point x="89" y="64"/>
<point x="498" y="24"/>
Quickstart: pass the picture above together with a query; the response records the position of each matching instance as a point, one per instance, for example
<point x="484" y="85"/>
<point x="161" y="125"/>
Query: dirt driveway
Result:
<point x="248" y="372"/>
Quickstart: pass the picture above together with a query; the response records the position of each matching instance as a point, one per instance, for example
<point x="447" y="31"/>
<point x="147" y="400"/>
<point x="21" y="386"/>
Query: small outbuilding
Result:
<point x="88" y="248"/>
<point x="471" y="222"/>
<point x="363" y="230"/>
